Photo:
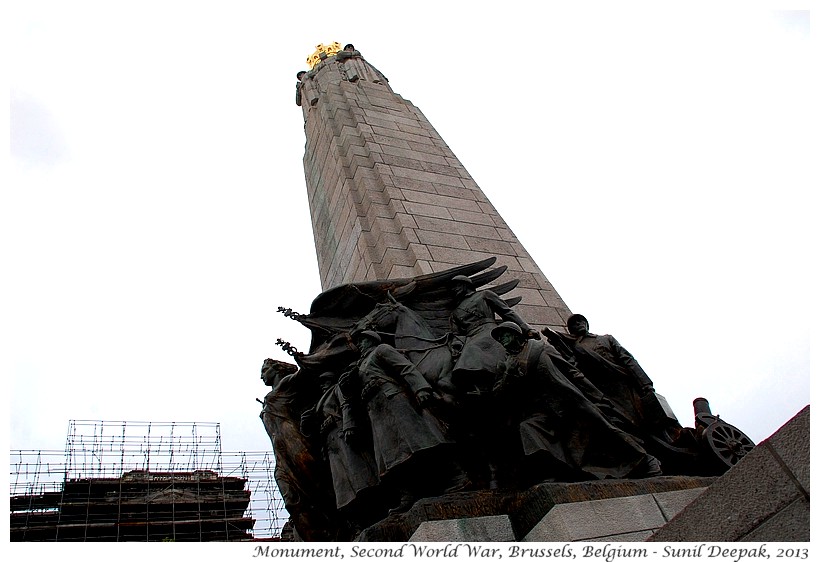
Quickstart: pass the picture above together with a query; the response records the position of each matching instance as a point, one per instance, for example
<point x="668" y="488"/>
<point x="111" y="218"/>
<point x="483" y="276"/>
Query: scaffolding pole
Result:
<point x="144" y="481"/>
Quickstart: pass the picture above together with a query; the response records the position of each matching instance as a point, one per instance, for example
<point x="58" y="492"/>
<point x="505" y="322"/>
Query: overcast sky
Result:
<point x="656" y="163"/>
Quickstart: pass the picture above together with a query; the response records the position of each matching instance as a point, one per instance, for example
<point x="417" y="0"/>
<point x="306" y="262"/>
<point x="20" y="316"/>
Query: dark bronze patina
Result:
<point x="419" y="387"/>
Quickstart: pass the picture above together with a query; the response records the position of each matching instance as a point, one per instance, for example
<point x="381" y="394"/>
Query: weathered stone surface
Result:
<point x="472" y="217"/>
<point x="431" y="238"/>
<point x="362" y="137"/>
<point x="760" y="496"/>
<point x="531" y="297"/>
<point x="718" y="515"/>
<point x="455" y="227"/>
<point x="494" y="528"/>
<point x="426" y="210"/>
<point x="525" y="509"/>
<point x="581" y="521"/>
<point x="792" y="445"/>
<point x="791" y="524"/>
<point x="496" y="247"/>
<point x="638" y="536"/>
<point x="672" y="503"/>
<point x="623" y="519"/>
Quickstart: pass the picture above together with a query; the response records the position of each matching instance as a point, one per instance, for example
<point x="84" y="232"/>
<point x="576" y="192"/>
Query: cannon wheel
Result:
<point x="727" y="443"/>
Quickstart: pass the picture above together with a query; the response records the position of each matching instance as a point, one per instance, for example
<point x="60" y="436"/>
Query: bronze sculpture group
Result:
<point x="431" y="385"/>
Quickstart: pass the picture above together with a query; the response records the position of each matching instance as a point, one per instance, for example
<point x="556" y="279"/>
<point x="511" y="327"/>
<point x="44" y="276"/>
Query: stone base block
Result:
<point x="493" y="528"/>
<point x="624" y="519"/>
<point x="763" y="498"/>
<point x="455" y="516"/>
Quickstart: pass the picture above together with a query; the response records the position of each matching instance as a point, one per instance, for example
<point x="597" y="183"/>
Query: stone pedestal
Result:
<point x="490" y="528"/>
<point x="624" y="519"/>
<point x="763" y="498"/>
<point x="489" y="515"/>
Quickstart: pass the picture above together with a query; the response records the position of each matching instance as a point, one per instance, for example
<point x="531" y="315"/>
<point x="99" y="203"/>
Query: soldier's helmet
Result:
<point x="506" y="327"/>
<point x="577" y="317"/>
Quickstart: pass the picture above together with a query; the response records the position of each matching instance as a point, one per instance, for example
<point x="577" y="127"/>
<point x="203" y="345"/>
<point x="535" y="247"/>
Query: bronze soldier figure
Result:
<point x="352" y="466"/>
<point x="407" y="438"/>
<point x="611" y="368"/>
<point x="301" y="475"/>
<point x="562" y="434"/>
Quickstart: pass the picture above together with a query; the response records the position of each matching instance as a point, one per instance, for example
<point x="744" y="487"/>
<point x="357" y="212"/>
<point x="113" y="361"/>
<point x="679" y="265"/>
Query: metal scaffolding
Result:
<point x="125" y="481"/>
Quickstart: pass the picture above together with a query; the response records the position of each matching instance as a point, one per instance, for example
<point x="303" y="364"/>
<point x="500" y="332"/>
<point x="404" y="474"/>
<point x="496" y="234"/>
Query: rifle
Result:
<point x="559" y="342"/>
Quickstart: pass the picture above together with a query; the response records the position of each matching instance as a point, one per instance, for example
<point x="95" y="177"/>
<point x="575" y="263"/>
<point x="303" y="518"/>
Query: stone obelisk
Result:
<point x="388" y="198"/>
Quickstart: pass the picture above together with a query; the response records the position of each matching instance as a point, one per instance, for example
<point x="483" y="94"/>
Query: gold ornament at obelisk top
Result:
<point x="328" y="50"/>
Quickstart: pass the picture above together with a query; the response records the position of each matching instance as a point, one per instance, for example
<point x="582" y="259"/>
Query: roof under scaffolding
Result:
<point x="143" y="481"/>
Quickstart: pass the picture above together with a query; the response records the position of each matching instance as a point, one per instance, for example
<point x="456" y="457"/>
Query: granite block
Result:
<point x="490" y="246"/>
<point x="454" y="255"/>
<point x="581" y="521"/>
<point x="425" y="267"/>
<point x="792" y="444"/>
<point x="541" y="315"/>
<point x="406" y="271"/>
<point x="414" y="129"/>
<point x="425" y="210"/>
<point x="638" y="536"/>
<point x="402" y="162"/>
<point x="415" y="155"/>
<point x="528" y="265"/>
<point x="531" y="297"/>
<point x="672" y="503"/>
<point x="454" y="227"/>
<point x="750" y="493"/>
<point x="385" y="140"/>
<point x="400" y="135"/>
<point x="376" y="117"/>
<point x="443" y="169"/>
<point x="790" y="524"/>
<point x="442" y="201"/>
<point x="473" y="217"/>
<point x="427" y="148"/>
<point x="398" y="257"/>
<point x="405" y="220"/>
<point x="427" y="176"/>
<point x="442" y="239"/>
<point x="462" y="193"/>
<point x="413" y="184"/>
<point x="495" y="528"/>
<point x="420" y="251"/>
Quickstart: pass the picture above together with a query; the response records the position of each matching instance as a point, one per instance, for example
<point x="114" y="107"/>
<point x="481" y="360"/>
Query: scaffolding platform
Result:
<point x="144" y="481"/>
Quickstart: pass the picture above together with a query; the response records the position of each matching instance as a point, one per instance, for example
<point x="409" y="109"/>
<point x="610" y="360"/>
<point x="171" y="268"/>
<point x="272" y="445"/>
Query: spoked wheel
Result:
<point x="727" y="443"/>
